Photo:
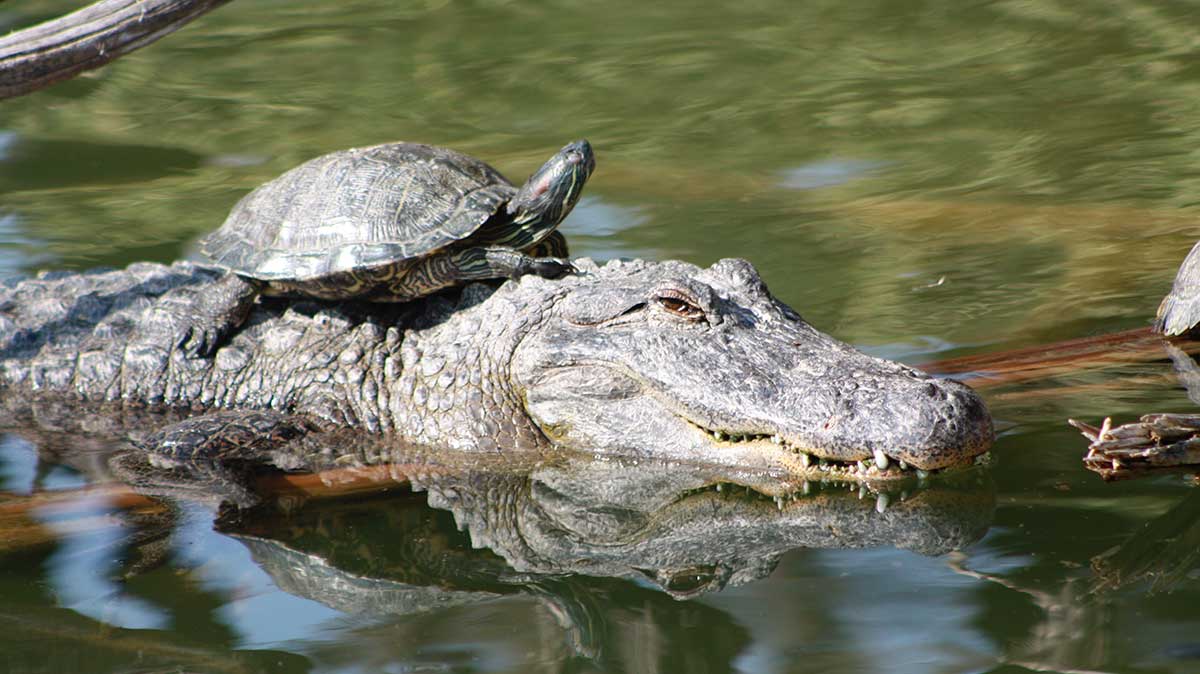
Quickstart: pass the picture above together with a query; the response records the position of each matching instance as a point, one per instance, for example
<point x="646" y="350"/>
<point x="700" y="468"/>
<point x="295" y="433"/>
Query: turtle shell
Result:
<point x="347" y="213"/>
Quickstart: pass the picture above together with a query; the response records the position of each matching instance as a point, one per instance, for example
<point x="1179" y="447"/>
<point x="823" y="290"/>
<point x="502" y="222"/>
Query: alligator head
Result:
<point x="674" y="361"/>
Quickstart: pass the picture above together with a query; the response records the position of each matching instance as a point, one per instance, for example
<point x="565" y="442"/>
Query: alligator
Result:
<point x="632" y="358"/>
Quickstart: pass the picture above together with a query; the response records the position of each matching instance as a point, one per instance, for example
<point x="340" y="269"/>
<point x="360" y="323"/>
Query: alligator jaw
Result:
<point x="811" y="462"/>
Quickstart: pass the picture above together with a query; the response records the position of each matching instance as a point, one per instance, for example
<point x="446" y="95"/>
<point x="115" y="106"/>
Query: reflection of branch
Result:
<point x="70" y="630"/>
<point x="22" y="526"/>
<point x="1069" y="632"/>
<point x="20" y="514"/>
<point x="61" y="49"/>
<point x="1165" y="550"/>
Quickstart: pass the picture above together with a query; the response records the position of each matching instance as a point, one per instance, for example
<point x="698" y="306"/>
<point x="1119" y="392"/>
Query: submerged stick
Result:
<point x="60" y="49"/>
<point x="1035" y="362"/>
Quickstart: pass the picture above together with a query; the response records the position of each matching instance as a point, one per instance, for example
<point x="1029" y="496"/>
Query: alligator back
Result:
<point x="110" y="335"/>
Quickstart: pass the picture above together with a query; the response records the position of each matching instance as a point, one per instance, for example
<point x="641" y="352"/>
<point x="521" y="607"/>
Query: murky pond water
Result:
<point x="924" y="181"/>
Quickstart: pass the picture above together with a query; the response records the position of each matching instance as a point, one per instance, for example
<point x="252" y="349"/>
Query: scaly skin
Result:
<point x="634" y="358"/>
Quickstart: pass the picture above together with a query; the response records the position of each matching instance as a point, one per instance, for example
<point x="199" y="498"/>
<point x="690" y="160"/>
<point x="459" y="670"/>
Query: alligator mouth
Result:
<point x="809" y="462"/>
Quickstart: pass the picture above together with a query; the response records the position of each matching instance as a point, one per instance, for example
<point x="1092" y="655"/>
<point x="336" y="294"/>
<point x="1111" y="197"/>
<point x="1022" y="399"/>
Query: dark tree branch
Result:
<point x="60" y="49"/>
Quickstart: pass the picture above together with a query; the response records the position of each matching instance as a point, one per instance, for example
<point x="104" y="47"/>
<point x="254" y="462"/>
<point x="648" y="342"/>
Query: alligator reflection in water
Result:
<point x="563" y="530"/>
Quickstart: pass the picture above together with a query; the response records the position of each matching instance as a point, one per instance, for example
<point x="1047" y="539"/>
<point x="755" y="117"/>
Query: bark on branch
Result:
<point x="56" y="50"/>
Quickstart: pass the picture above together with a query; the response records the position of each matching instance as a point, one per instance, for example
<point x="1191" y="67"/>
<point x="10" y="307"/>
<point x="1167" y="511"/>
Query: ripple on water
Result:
<point x="828" y="173"/>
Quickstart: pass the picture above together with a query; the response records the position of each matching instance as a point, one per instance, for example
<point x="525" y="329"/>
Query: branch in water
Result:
<point x="56" y="50"/>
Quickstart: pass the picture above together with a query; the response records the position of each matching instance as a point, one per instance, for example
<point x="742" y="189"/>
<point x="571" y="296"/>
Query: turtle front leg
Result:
<point x="475" y="264"/>
<point x="199" y="319"/>
<point x="487" y="262"/>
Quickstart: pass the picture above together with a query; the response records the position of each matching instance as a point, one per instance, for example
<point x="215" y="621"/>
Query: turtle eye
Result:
<point x="679" y="304"/>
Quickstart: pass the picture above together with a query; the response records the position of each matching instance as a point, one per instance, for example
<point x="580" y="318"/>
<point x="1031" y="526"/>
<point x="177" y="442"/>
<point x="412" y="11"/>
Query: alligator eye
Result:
<point x="679" y="304"/>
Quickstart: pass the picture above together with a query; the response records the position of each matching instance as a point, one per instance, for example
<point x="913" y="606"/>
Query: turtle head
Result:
<point x="550" y="193"/>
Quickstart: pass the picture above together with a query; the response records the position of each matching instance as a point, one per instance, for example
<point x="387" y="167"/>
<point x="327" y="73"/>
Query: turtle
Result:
<point x="388" y="223"/>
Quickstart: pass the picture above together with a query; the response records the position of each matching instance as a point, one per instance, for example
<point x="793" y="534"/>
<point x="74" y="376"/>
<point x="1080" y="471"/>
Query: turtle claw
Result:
<point x="545" y="267"/>
<point x="197" y="342"/>
<point x="552" y="268"/>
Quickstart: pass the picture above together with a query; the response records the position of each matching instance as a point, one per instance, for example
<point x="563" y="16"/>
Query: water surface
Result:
<point x="924" y="181"/>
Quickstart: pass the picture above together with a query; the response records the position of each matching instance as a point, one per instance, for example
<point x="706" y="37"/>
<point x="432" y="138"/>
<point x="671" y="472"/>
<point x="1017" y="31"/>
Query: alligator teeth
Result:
<point x="881" y="503"/>
<point x="853" y="470"/>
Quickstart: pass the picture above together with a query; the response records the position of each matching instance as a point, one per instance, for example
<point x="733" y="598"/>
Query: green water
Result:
<point x="923" y="180"/>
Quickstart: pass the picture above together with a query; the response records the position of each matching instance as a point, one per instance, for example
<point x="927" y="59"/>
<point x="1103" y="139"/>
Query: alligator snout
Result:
<point x="924" y="422"/>
<point x="951" y="425"/>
